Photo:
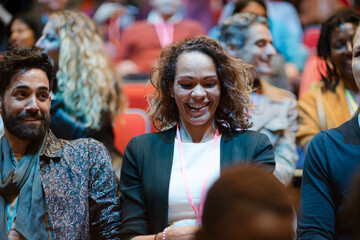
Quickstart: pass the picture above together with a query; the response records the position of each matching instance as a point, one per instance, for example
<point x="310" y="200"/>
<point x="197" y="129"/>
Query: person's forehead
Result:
<point x="31" y="78"/>
<point x="343" y="30"/>
<point x="258" y="30"/>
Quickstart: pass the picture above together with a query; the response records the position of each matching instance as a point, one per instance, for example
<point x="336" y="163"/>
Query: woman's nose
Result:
<point x="198" y="92"/>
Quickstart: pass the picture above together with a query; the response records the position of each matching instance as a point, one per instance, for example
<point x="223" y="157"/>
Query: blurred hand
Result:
<point x="181" y="233"/>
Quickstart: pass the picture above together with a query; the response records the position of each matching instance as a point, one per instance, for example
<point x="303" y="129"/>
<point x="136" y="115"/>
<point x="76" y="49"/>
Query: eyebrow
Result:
<point x="207" y="77"/>
<point x="27" y="87"/>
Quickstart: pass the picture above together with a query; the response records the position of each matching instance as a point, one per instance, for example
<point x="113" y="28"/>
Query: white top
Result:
<point x="197" y="158"/>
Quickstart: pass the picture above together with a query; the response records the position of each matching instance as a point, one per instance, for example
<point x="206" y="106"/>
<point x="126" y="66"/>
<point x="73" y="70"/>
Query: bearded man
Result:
<point x="49" y="188"/>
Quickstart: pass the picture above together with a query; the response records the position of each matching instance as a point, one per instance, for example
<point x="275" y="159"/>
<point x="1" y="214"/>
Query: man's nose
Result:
<point x="32" y="105"/>
<point x="270" y="50"/>
<point x="39" y="43"/>
<point x="348" y="48"/>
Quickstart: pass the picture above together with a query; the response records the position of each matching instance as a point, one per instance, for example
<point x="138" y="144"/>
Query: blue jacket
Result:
<point x="332" y="159"/>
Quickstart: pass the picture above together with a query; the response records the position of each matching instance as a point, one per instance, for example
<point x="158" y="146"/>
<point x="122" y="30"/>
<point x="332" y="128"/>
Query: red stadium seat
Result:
<point x="136" y="94"/>
<point x="131" y="123"/>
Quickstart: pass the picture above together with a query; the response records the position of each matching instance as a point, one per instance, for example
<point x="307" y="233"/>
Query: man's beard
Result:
<point x="17" y="126"/>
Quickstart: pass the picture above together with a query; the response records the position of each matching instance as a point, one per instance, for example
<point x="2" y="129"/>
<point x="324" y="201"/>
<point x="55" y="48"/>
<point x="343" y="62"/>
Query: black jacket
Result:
<point x="146" y="169"/>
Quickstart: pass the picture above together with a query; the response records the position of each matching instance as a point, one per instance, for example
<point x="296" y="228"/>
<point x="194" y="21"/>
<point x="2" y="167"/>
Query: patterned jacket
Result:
<point x="80" y="189"/>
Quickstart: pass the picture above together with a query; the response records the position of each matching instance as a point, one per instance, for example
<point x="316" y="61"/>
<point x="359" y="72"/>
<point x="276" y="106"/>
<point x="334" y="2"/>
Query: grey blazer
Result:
<point x="146" y="169"/>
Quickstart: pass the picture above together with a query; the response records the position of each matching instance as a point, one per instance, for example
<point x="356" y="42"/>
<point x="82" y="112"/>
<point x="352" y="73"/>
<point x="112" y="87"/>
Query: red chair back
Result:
<point x="131" y="123"/>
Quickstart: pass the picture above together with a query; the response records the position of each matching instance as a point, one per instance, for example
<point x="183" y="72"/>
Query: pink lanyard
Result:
<point x="165" y="32"/>
<point x="186" y="182"/>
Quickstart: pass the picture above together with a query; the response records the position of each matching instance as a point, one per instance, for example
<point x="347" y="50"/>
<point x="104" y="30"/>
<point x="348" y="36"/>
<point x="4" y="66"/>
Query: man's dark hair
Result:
<point x="19" y="59"/>
<point x="241" y="4"/>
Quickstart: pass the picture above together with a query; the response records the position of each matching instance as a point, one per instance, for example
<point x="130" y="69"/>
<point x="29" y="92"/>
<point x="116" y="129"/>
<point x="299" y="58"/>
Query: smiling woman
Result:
<point x="334" y="100"/>
<point x="200" y="104"/>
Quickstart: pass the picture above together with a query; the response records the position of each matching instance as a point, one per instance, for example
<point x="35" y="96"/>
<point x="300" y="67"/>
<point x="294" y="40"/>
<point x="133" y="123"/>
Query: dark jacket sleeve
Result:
<point x="316" y="210"/>
<point x="135" y="216"/>
<point x="104" y="202"/>
<point x="63" y="125"/>
<point x="264" y="153"/>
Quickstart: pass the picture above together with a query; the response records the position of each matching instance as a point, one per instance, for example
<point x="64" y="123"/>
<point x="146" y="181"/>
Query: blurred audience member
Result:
<point x="87" y="93"/>
<point x="334" y="100"/>
<point x="247" y="36"/>
<point x="140" y="44"/>
<point x="314" y="12"/>
<point x="112" y="17"/>
<point x="204" y="11"/>
<point x="25" y="30"/>
<point x="278" y="77"/>
<point x="331" y="162"/>
<point x="247" y="203"/>
<point x="285" y="28"/>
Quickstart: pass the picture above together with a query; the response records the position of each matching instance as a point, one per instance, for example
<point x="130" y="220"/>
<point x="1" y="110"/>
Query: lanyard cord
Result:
<point x="165" y="32"/>
<point x="186" y="182"/>
<point x="351" y="100"/>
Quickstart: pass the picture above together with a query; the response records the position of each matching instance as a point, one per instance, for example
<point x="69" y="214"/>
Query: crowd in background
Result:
<point x="299" y="72"/>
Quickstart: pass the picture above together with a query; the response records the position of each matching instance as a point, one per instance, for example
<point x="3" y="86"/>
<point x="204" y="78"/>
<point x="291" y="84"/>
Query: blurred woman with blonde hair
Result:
<point x="87" y="92"/>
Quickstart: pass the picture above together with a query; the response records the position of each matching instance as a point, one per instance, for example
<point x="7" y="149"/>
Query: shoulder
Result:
<point x="247" y="137"/>
<point x="192" y="24"/>
<point x="152" y="140"/>
<point x="137" y="26"/>
<point x="350" y="129"/>
<point x="308" y="98"/>
<point x="277" y="94"/>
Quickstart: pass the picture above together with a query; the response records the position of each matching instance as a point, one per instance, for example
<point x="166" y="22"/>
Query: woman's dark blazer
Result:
<point x="146" y="169"/>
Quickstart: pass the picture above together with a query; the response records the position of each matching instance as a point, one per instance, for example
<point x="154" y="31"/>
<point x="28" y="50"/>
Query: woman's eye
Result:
<point x="185" y="86"/>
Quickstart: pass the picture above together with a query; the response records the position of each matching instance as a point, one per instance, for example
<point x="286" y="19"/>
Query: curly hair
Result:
<point x="235" y="29"/>
<point x="346" y="15"/>
<point x="18" y="59"/>
<point x="86" y="81"/>
<point x="235" y="78"/>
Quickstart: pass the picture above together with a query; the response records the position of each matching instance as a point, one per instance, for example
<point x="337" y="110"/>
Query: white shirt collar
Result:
<point x="154" y="17"/>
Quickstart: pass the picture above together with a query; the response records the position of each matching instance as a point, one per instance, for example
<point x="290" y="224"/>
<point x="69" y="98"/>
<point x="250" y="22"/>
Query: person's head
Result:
<point x="166" y="8"/>
<point x="54" y="5"/>
<point x="86" y="81"/>
<point x="257" y="7"/>
<point x="24" y="30"/>
<point x="197" y="81"/>
<point x="335" y="46"/>
<point x="26" y="78"/>
<point x="247" y="203"/>
<point x="247" y="36"/>
<point x="356" y="57"/>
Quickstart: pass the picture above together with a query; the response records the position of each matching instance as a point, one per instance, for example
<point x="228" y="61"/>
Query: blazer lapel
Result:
<point x="163" y="152"/>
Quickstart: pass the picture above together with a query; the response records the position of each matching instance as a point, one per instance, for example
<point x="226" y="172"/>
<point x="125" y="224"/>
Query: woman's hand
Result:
<point x="179" y="233"/>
